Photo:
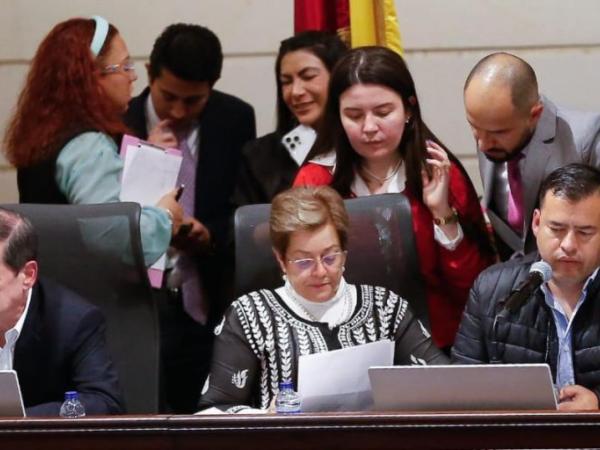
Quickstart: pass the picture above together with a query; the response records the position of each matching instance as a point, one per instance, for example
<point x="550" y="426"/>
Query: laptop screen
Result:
<point x="11" y="402"/>
<point x="462" y="387"/>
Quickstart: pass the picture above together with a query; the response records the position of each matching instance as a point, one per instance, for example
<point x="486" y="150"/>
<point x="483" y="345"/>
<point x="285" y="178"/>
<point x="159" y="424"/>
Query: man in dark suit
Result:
<point x="521" y="137"/>
<point x="181" y="109"/>
<point x="52" y="338"/>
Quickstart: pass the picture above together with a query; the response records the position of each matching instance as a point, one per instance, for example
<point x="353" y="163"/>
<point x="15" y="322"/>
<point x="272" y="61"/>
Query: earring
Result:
<point x="284" y="277"/>
<point x="407" y="121"/>
<point x="343" y="269"/>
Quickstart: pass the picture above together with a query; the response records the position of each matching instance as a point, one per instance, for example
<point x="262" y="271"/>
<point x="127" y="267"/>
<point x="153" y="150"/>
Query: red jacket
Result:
<point x="448" y="274"/>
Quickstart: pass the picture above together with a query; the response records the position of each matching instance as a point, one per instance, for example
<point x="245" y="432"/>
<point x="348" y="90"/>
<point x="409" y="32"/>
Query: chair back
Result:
<point x="96" y="251"/>
<point x="381" y="249"/>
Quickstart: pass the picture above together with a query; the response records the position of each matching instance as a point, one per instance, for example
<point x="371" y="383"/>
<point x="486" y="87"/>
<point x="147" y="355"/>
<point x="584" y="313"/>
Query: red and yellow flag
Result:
<point x="358" y="22"/>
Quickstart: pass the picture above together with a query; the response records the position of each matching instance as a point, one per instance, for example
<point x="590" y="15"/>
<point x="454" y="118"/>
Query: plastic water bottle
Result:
<point x="287" y="401"/>
<point x="72" y="407"/>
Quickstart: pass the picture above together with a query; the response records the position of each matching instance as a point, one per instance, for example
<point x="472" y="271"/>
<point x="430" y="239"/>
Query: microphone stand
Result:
<point x="512" y="304"/>
<point x="494" y="357"/>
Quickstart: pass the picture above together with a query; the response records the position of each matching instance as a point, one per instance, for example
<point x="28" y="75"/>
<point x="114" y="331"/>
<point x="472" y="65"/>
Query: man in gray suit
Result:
<point x="521" y="137"/>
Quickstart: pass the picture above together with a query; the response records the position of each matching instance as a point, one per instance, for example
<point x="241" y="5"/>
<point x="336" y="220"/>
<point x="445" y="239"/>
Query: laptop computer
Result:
<point x="11" y="402"/>
<point x="463" y="387"/>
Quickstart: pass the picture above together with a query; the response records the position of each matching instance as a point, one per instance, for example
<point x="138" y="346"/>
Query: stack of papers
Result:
<point x="339" y="380"/>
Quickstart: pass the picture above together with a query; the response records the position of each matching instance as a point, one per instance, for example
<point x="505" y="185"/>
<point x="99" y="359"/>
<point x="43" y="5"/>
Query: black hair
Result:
<point x="190" y="52"/>
<point x="573" y="182"/>
<point x="19" y="239"/>
<point x="326" y="46"/>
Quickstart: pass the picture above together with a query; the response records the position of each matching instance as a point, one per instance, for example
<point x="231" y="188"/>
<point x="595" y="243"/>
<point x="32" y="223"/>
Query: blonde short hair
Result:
<point x="306" y="208"/>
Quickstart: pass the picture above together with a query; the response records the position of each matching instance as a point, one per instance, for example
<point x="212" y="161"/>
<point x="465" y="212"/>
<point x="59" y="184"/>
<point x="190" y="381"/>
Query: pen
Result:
<point x="179" y="191"/>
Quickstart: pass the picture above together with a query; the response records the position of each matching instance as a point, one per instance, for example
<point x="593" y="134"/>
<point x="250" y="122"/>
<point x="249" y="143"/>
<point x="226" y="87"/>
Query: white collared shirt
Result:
<point x="152" y="119"/>
<point x="327" y="160"/>
<point x="565" y="371"/>
<point x="11" y="336"/>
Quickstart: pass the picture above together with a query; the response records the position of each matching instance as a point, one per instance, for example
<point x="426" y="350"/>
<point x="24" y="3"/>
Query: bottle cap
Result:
<point x="71" y="395"/>
<point x="286" y="384"/>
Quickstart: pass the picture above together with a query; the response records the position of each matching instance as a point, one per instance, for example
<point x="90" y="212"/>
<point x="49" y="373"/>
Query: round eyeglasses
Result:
<point x="330" y="260"/>
<point x="126" y="67"/>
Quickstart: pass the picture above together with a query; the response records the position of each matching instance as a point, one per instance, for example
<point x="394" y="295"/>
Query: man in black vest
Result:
<point x="181" y="109"/>
<point x="558" y="323"/>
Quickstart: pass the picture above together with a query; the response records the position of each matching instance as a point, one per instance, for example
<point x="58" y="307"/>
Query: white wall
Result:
<point x="443" y="40"/>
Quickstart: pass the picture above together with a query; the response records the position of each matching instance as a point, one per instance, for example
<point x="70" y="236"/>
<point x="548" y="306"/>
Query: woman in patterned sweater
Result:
<point x="264" y="332"/>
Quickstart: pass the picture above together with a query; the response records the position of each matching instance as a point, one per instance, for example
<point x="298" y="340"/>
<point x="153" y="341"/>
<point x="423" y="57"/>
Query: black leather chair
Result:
<point x="96" y="251"/>
<point x="381" y="249"/>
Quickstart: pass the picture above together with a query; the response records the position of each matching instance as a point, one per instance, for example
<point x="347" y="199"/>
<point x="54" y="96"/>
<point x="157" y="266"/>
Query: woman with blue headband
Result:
<point x="64" y="133"/>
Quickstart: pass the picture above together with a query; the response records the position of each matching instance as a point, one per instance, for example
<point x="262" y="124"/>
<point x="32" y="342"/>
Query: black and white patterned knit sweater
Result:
<point x="260" y="339"/>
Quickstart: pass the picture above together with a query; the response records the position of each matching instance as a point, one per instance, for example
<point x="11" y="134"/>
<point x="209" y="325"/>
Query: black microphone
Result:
<point x="540" y="272"/>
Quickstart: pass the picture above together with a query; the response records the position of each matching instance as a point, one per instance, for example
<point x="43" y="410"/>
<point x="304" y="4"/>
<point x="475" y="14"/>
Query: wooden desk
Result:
<point x="308" y="431"/>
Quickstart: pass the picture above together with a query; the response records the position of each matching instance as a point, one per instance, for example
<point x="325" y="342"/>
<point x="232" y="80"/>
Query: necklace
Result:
<point x="345" y="298"/>
<point x="382" y="180"/>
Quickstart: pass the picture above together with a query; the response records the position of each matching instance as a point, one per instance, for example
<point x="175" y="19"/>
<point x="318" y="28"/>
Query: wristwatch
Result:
<point x="450" y="218"/>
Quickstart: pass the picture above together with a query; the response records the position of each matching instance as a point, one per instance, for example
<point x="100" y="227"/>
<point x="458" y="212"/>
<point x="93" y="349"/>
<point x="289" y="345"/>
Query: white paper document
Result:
<point x="148" y="174"/>
<point x="339" y="380"/>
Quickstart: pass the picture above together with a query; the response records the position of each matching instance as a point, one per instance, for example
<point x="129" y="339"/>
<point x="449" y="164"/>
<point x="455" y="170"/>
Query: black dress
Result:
<point x="260" y="339"/>
<point x="266" y="169"/>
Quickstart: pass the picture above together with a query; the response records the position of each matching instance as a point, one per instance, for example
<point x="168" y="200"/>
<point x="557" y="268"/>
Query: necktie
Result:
<point x="191" y="285"/>
<point x="515" y="195"/>
<point x="187" y="176"/>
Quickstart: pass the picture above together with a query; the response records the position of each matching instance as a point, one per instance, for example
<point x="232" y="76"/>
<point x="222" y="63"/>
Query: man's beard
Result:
<point x="501" y="155"/>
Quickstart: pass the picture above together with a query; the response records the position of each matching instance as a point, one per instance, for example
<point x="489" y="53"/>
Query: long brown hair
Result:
<point x="61" y="96"/>
<point x="381" y="66"/>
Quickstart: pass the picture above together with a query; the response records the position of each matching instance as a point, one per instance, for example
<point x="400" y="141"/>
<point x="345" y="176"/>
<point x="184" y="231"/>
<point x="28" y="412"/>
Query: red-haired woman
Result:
<point x="62" y="137"/>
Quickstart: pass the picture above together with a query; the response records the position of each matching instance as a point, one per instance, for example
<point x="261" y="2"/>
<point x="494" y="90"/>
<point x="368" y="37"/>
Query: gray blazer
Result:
<point x="560" y="138"/>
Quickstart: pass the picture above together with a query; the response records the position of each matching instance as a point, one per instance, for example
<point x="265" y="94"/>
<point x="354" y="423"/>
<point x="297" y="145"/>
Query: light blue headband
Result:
<point x="99" y="34"/>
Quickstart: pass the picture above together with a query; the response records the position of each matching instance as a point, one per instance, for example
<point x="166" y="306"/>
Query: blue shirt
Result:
<point x="565" y="374"/>
<point x="88" y="170"/>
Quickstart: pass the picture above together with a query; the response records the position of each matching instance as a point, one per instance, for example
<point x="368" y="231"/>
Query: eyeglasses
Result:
<point x="331" y="260"/>
<point x="126" y="67"/>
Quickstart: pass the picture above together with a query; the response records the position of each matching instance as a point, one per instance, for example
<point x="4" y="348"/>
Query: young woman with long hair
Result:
<point x="373" y="125"/>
